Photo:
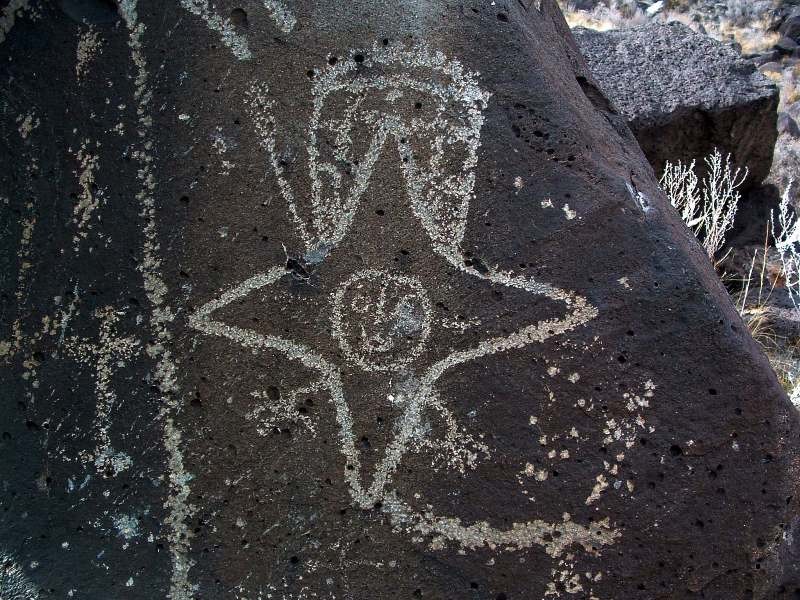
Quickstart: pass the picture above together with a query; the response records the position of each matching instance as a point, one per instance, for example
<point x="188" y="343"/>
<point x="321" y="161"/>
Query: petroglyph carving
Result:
<point x="107" y="354"/>
<point x="230" y="36"/>
<point x="408" y="100"/>
<point x="389" y="320"/>
<point x="161" y="314"/>
<point x="377" y="88"/>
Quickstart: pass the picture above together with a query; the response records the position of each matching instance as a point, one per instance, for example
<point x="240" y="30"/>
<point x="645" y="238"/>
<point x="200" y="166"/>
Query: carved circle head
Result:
<point x="382" y="321"/>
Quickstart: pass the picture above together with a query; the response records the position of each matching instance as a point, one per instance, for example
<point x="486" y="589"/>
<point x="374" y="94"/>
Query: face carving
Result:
<point x="381" y="320"/>
<point x="408" y="105"/>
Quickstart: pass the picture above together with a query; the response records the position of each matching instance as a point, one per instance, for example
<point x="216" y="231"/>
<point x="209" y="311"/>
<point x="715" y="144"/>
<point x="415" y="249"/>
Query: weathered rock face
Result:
<point x="684" y="94"/>
<point x="361" y="300"/>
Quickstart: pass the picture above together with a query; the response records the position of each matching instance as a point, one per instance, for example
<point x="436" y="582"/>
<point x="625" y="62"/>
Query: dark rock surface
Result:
<point x="684" y="94"/>
<point x="786" y="45"/>
<point x="791" y="25"/>
<point x="361" y="300"/>
<point x="786" y="124"/>
<point x="765" y="58"/>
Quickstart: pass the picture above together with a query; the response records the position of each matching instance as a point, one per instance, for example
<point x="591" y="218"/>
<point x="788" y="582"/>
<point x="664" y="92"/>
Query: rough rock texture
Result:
<point x="683" y="94"/>
<point x="361" y="300"/>
<point x="791" y="25"/>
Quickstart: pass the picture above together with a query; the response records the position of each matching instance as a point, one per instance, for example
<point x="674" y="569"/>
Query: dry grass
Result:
<point x="756" y="312"/>
<point x="603" y="18"/>
<point x="782" y="352"/>
<point x="743" y="22"/>
<point x="752" y="40"/>
<point x="746" y="27"/>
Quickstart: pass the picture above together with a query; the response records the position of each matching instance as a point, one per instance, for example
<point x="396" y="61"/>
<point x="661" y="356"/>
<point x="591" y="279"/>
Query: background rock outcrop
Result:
<point x="361" y="300"/>
<point x="684" y="94"/>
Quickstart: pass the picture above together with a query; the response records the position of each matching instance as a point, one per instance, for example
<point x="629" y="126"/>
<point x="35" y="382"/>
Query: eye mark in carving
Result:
<point x="381" y="320"/>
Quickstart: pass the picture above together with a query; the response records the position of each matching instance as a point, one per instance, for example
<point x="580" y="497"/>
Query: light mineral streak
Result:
<point x="281" y="14"/>
<point x="8" y="349"/>
<point x="227" y="32"/>
<point x="155" y="288"/>
<point x="89" y="198"/>
<point x="27" y="124"/>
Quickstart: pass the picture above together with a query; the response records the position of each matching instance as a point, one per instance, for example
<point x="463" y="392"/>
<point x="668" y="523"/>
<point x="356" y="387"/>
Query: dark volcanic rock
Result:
<point x="765" y="58"/>
<point x="361" y="300"/>
<point x="790" y="27"/>
<point x="684" y="94"/>
<point x="786" y="124"/>
<point x="786" y="45"/>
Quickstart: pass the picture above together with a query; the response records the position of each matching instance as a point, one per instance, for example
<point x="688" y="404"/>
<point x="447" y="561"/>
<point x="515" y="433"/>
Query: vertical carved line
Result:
<point x="155" y="288"/>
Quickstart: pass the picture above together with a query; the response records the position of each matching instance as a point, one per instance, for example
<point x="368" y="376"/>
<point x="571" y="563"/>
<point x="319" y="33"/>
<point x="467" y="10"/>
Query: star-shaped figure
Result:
<point x="382" y="321"/>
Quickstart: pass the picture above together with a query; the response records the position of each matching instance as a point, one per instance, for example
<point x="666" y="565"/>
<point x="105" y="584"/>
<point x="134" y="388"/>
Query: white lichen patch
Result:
<point x="460" y="324"/>
<point x="14" y="583"/>
<point x="568" y="578"/>
<point x="221" y="145"/>
<point x="283" y="17"/>
<point x="27" y="123"/>
<point x="599" y="487"/>
<point x="547" y="203"/>
<point x="90" y="194"/>
<point x="621" y="434"/>
<point x="89" y="47"/>
<point x="532" y="471"/>
<point x="275" y="409"/>
<point x="568" y="212"/>
<point x="127" y="526"/>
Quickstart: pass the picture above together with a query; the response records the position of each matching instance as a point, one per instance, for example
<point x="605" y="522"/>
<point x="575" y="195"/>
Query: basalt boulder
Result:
<point x="361" y="300"/>
<point x="684" y="94"/>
